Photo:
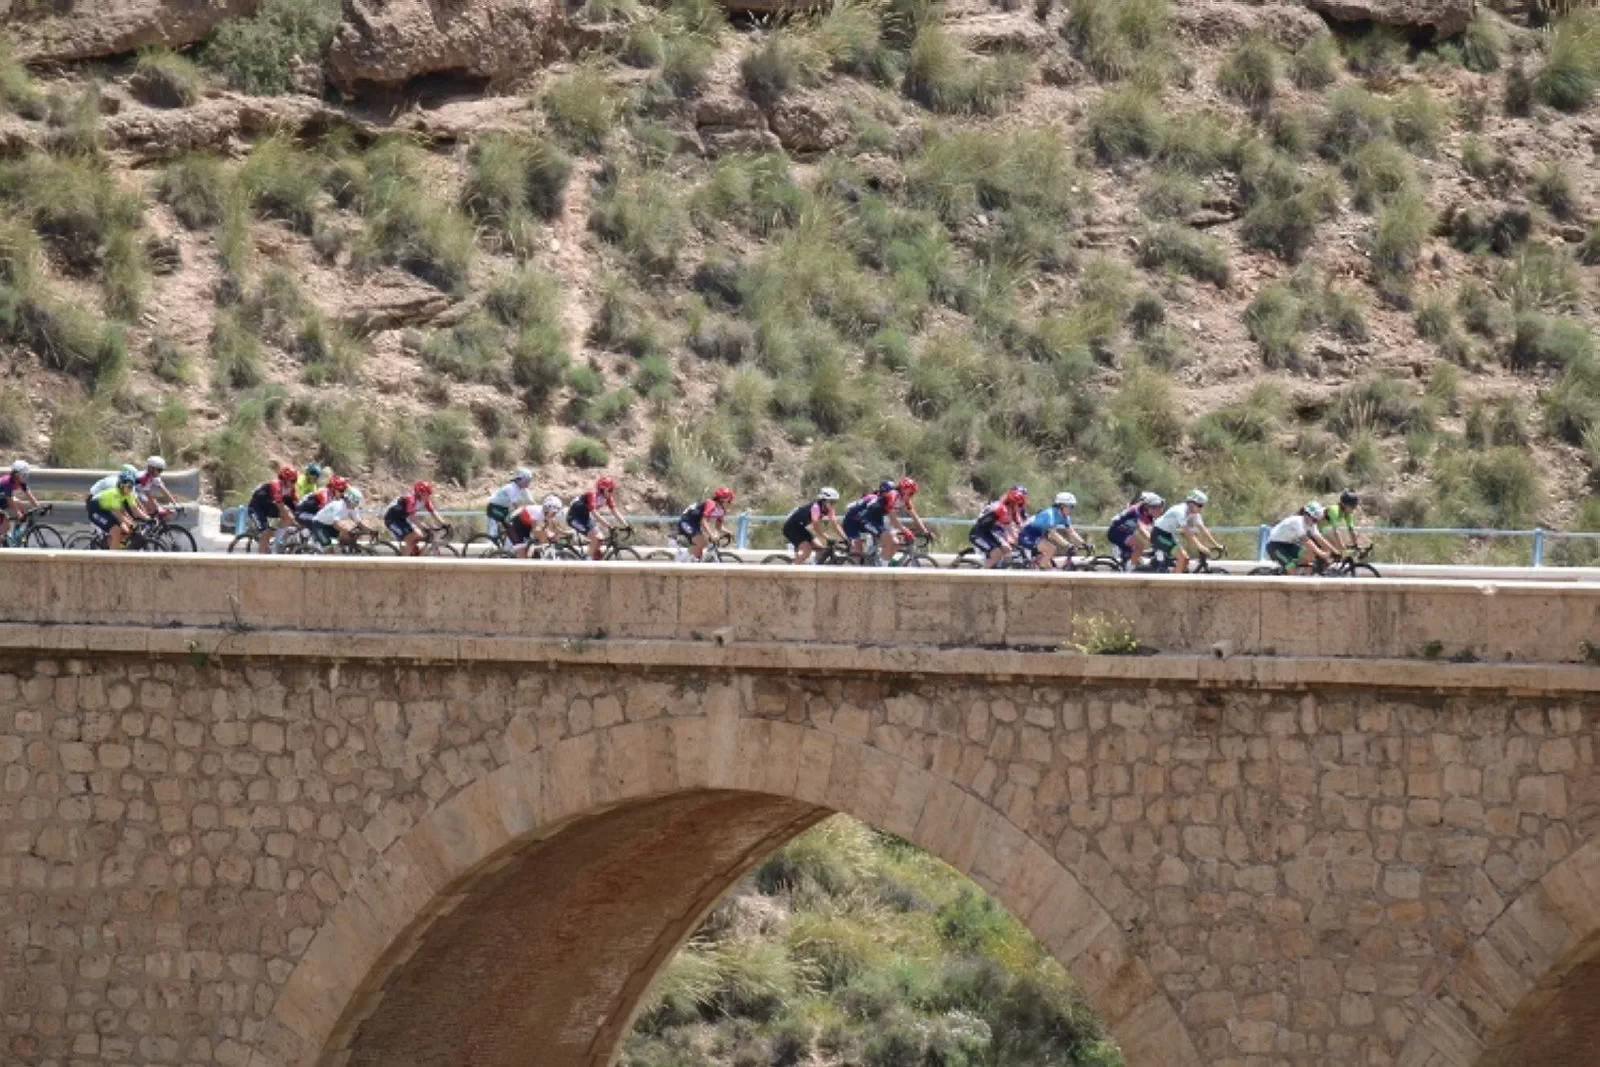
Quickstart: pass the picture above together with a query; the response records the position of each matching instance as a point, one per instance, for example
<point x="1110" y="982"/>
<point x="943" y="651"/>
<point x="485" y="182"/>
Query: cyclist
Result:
<point x="1051" y="529"/>
<point x="1129" y="532"/>
<point x="272" y="502"/>
<point x="1289" y="539"/>
<point x="583" y="514"/>
<point x="804" y="528"/>
<point x="1344" y="514"/>
<point x="995" y="532"/>
<point x="306" y="484"/>
<point x="113" y="511"/>
<point x="110" y="480"/>
<point x="1179" y="524"/>
<point x="534" y="524"/>
<point x="339" y="519"/>
<point x="12" y="485"/>
<point x="869" y="516"/>
<point x="307" y="507"/>
<point x="692" y="523"/>
<point x="399" y="519"/>
<point x="508" y="498"/>
<point x="149" y="483"/>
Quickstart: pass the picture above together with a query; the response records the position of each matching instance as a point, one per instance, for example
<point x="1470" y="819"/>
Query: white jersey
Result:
<point x="1177" y="517"/>
<point x="510" y="496"/>
<point x="108" y="482"/>
<point x="1292" y="531"/>
<point x="335" y="512"/>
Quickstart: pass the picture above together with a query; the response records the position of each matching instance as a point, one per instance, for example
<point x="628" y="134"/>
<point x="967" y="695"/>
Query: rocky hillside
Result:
<point x="852" y="947"/>
<point x="1268" y="248"/>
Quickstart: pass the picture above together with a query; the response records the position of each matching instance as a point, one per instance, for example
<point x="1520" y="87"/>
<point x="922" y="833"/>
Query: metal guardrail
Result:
<point x="62" y="483"/>
<point x="1540" y="539"/>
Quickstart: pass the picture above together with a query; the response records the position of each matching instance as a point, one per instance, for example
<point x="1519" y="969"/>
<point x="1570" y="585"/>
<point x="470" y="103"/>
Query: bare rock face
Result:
<point x="729" y="123"/>
<point x="389" y="42"/>
<point x="1286" y="25"/>
<point x="808" y="126"/>
<point x="86" y="29"/>
<point x="1445" y="18"/>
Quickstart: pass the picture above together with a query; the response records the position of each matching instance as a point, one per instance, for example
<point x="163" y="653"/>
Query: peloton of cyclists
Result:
<point x="878" y="515"/>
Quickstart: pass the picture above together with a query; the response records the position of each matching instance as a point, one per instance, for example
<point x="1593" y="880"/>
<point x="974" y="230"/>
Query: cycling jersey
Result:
<point x="148" y="484"/>
<point x="520" y="526"/>
<point x="104" y="505"/>
<point x="325" y="521"/>
<point x="985" y="534"/>
<point x="102" y="485"/>
<point x="1051" y="518"/>
<point x="1122" y="529"/>
<point x="692" y="522"/>
<point x="1336" y="515"/>
<point x="397" y="517"/>
<point x="1292" y="531"/>
<point x="308" y="506"/>
<point x="581" y="512"/>
<point x="304" y="485"/>
<point x="869" y="514"/>
<point x="266" y="500"/>
<point x="510" y="496"/>
<point x="1178" y="518"/>
<point x="797" y="527"/>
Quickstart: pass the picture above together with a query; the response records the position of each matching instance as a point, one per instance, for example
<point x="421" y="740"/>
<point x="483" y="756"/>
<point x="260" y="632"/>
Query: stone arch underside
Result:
<point x="1527" y="991"/>
<point x="527" y="914"/>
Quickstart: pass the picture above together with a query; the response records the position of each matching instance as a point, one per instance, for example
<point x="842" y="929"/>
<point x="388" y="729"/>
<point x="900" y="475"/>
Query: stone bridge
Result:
<point x="284" y="813"/>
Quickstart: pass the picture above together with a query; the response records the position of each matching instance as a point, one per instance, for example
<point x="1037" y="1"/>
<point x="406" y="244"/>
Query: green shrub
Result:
<point x="17" y="91"/>
<point x="585" y="452"/>
<point x="1377" y="404"/>
<point x="1311" y="67"/>
<point x="75" y="205"/>
<point x="473" y="350"/>
<point x="1125" y="123"/>
<point x="784" y="62"/>
<point x="194" y="186"/>
<point x="64" y="335"/>
<point x="1553" y="187"/>
<point x="328" y="352"/>
<point x="641" y="214"/>
<point x="1250" y="72"/>
<point x="756" y="192"/>
<point x="235" y="353"/>
<point x="77" y="436"/>
<point x="448" y="435"/>
<point x="507" y="178"/>
<point x="943" y="78"/>
<point x="1540" y="276"/>
<point x="1378" y="172"/>
<point x="1171" y="195"/>
<point x="1191" y="252"/>
<point x="609" y="12"/>
<point x="1419" y="120"/>
<point x="962" y="173"/>
<point x="1539" y="340"/>
<point x="1116" y="38"/>
<point x="1354" y="118"/>
<point x="1290" y="132"/>
<point x="643" y="46"/>
<point x="1589" y="248"/>
<point x="256" y="54"/>
<point x="1397" y="239"/>
<point x="1379" y="52"/>
<point x="124" y="274"/>
<point x="851" y="35"/>
<point x="430" y="240"/>
<point x="281" y="182"/>
<point x="75" y="122"/>
<point x="164" y="78"/>
<point x="525" y="297"/>
<point x="1482" y="43"/>
<point x="1198" y="142"/>
<point x="340" y="441"/>
<point x="1571" y="69"/>
<point x="583" y="107"/>
<point x="170" y="363"/>
<point x="1275" y="320"/>
<point x="16" y="418"/>
<point x="1284" y="225"/>
<point x="686" y="63"/>
<point x="1519" y="92"/>
<point x="1480" y="311"/>
<point x="1435" y="319"/>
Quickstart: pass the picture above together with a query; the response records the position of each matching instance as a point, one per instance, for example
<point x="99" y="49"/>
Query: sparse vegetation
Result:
<point x="166" y="79"/>
<point x="1571" y="69"/>
<point x="1250" y="73"/>
<point x="257" y="54"/>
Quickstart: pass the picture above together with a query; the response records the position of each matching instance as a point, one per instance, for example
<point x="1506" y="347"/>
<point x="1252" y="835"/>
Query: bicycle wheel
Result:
<point x="481" y="545"/>
<point x="41" y="536"/>
<point x="244" y="543"/>
<point x="441" y="550"/>
<point x="777" y="558"/>
<point x="1262" y="572"/>
<point x="661" y="555"/>
<point x="178" y="539"/>
<point x="1364" y="570"/>
<point x="967" y="560"/>
<point x="918" y="559"/>
<point x="81" y="542"/>
<point x="626" y="554"/>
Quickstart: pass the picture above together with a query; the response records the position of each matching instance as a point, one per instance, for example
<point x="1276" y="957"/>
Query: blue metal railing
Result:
<point x="745" y="523"/>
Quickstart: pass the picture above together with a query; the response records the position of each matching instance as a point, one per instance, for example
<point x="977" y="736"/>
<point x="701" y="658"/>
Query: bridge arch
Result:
<point x="661" y="817"/>
<point x="1527" y="990"/>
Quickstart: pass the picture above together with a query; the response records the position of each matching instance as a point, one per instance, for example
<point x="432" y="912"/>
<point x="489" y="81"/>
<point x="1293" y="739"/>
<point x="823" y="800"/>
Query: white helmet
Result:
<point x="552" y="503"/>
<point x="156" y="463"/>
<point x="1315" y="510"/>
<point x="352" y="497"/>
<point x="20" y="467"/>
<point x="1197" y="496"/>
<point x="522" y="475"/>
<point x="827" y="492"/>
<point x="1066" y="500"/>
<point x="1151" y="500"/>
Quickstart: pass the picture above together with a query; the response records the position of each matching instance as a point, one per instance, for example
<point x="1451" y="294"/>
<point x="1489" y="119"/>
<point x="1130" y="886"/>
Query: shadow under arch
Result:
<point x="1527" y="990"/>
<point x="526" y="915"/>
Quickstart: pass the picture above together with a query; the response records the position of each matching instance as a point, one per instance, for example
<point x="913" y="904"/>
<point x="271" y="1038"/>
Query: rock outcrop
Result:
<point x="1286" y="25"/>
<point x="88" y="29"/>
<point x="1445" y="18"/>
<point x="389" y="42"/>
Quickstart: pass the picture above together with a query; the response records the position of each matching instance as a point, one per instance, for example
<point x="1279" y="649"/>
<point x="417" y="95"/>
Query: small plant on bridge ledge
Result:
<point x="1591" y="653"/>
<point x="1103" y="635"/>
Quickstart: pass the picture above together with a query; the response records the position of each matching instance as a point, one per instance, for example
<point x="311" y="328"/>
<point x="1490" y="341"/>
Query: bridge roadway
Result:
<point x="273" y="813"/>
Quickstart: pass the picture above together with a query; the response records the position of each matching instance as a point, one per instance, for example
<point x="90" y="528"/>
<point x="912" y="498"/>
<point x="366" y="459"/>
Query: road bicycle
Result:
<point x="174" y="538"/>
<point x="146" y="536"/>
<point x="716" y="551"/>
<point x="1352" y="563"/>
<point x="829" y="554"/>
<point x="29" y="532"/>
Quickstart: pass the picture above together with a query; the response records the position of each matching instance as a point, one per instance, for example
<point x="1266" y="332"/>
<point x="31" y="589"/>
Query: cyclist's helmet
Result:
<point x="1315" y="510"/>
<point x="1066" y="500"/>
<point x="1349" y="499"/>
<point x="1198" y="498"/>
<point x="20" y="467"/>
<point x="523" y="476"/>
<point x="338" y="484"/>
<point x="352" y="497"/>
<point x="130" y="469"/>
<point x="885" y="486"/>
<point x="124" y="478"/>
<point x="1151" y="500"/>
<point x="1017" y="494"/>
<point x="828" y="493"/>
<point x="552" y="503"/>
<point x="155" y="463"/>
<point x="287" y="473"/>
<point x="605" y="483"/>
<point x="722" y="495"/>
<point x="422" y="489"/>
<point x="908" y="486"/>
<point x="314" y="469"/>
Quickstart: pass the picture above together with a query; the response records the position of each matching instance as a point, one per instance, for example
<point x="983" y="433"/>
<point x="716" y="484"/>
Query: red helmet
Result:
<point x="908" y="486"/>
<point x="605" y="483"/>
<point x="338" y="484"/>
<point x="422" y="489"/>
<point x="723" y="495"/>
<point x="1017" y="494"/>
<point x="287" y="473"/>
